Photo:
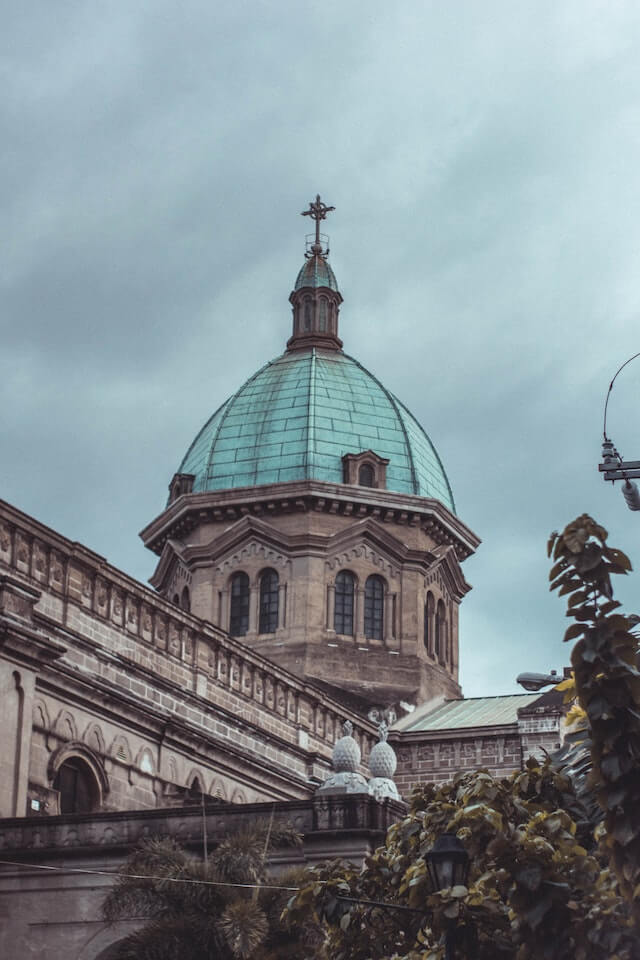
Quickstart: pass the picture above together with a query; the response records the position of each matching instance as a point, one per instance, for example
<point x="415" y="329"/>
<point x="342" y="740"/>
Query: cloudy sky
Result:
<point x="484" y="160"/>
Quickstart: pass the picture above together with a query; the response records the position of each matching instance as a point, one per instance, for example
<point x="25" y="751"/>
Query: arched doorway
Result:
<point x="79" y="790"/>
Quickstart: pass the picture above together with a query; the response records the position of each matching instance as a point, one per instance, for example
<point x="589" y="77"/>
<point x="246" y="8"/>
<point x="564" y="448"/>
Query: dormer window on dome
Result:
<point x="365" y="469"/>
<point x="181" y="483"/>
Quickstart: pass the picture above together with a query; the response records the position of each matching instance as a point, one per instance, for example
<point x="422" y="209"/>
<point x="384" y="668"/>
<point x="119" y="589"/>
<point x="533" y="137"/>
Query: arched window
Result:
<point x="176" y="600"/>
<point x="374" y="608"/>
<point x="308" y="311"/>
<point x="79" y="792"/>
<point x="343" y="608"/>
<point x="429" y="609"/>
<point x="366" y="476"/>
<point x="440" y="631"/>
<point x="239" y="618"/>
<point x="322" y="314"/>
<point x="185" y="600"/>
<point x="269" y="592"/>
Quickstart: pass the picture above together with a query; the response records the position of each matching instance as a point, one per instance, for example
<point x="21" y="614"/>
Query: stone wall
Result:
<point x="154" y="695"/>
<point x="50" y="914"/>
<point x="436" y="757"/>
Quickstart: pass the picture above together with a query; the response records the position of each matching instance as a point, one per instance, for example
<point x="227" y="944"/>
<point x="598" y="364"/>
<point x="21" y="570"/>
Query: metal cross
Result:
<point x="317" y="211"/>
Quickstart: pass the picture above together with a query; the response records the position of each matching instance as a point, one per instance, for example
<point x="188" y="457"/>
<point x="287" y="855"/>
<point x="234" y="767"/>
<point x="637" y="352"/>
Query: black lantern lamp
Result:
<point x="447" y="863"/>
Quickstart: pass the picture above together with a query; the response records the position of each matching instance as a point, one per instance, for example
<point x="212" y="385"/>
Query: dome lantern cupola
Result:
<point x="315" y="298"/>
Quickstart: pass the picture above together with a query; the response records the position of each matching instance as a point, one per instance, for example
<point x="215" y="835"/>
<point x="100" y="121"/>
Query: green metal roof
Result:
<point x="473" y="712"/>
<point x="316" y="272"/>
<point x="297" y="417"/>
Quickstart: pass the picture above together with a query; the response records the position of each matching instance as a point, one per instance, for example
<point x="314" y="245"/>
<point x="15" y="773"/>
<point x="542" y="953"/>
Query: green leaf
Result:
<point x="574" y="631"/>
<point x="618" y="557"/>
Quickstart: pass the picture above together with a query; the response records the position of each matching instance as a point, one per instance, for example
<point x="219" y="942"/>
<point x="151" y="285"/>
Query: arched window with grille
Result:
<point x="343" y="603"/>
<point x="366" y="475"/>
<point x="239" y="616"/>
<point x="374" y="608"/>
<point x="429" y="610"/>
<point x="440" y="631"/>
<point x="269" y="594"/>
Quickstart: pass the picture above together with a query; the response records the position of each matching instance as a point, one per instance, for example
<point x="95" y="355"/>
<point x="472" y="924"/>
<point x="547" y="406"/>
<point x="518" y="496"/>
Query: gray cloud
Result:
<point x="483" y="160"/>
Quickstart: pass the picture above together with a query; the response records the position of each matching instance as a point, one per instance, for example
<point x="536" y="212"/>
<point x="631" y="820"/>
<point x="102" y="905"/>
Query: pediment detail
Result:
<point x="447" y="573"/>
<point x="170" y="560"/>
<point x="237" y="537"/>
<point x="366" y="542"/>
<point x="269" y="555"/>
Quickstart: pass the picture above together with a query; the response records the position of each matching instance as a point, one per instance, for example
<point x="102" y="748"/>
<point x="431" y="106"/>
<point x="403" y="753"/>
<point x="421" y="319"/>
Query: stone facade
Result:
<point x="309" y="532"/>
<point x="96" y="666"/>
<point x="154" y="702"/>
<point x="427" y="757"/>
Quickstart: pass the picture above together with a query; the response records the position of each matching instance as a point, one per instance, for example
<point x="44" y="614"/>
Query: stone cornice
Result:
<point x="190" y="510"/>
<point x="77" y="835"/>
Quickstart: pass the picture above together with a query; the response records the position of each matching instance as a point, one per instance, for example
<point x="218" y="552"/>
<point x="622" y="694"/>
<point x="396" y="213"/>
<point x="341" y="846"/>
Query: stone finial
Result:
<point x="345" y="760"/>
<point x="382" y="764"/>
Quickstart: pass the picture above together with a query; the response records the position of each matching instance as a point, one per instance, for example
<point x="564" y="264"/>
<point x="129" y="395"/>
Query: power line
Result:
<point x="135" y="876"/>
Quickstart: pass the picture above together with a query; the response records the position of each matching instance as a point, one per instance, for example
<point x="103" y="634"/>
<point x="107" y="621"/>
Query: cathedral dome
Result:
<point x="299" y="415"/>
<point x="315" y="413"/>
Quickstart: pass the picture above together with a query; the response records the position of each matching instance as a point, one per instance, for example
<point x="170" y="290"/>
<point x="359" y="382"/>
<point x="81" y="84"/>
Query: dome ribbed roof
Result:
<point x="297" y="417"/>
<point x="316" y="272"/>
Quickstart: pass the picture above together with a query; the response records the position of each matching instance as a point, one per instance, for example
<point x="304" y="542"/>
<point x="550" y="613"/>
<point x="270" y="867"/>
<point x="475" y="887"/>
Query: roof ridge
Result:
<point x="490" y="696"/>
<point x="311" y="409"/>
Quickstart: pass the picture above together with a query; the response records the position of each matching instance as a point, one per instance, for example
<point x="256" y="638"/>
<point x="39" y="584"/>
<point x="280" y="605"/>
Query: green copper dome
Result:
<point x="297" y="417"/>
<point x="316" y="272"/>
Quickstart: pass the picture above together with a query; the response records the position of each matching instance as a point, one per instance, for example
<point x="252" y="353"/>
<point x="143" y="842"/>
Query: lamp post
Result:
<point x="448" y="866"/>
<point x="613" y="466"/>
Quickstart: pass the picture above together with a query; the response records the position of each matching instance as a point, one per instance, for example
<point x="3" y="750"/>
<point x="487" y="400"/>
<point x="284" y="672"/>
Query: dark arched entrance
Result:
<point x="79" y="791"/>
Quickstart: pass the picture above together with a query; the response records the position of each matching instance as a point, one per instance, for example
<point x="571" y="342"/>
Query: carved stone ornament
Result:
<point x="382" y="764"/>
<point x="5" y="539"/>
<point x="346" y="760"/>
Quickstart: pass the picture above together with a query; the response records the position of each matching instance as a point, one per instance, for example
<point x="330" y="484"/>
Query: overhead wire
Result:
<point x="136" y="876"/>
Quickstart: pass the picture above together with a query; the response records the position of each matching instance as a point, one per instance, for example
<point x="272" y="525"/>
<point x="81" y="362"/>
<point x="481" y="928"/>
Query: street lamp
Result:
<point x="536" y="681"/>
<point x="447" y="863"/>
<point x="613" y="466"/>
<point x="448" y="866"/>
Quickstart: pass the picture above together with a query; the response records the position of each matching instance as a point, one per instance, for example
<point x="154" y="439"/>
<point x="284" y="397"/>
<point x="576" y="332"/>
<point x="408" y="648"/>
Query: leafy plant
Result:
<point x="550" y="879"/>
<point x="607" y="686"/>
<point x="192" y="909"/>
